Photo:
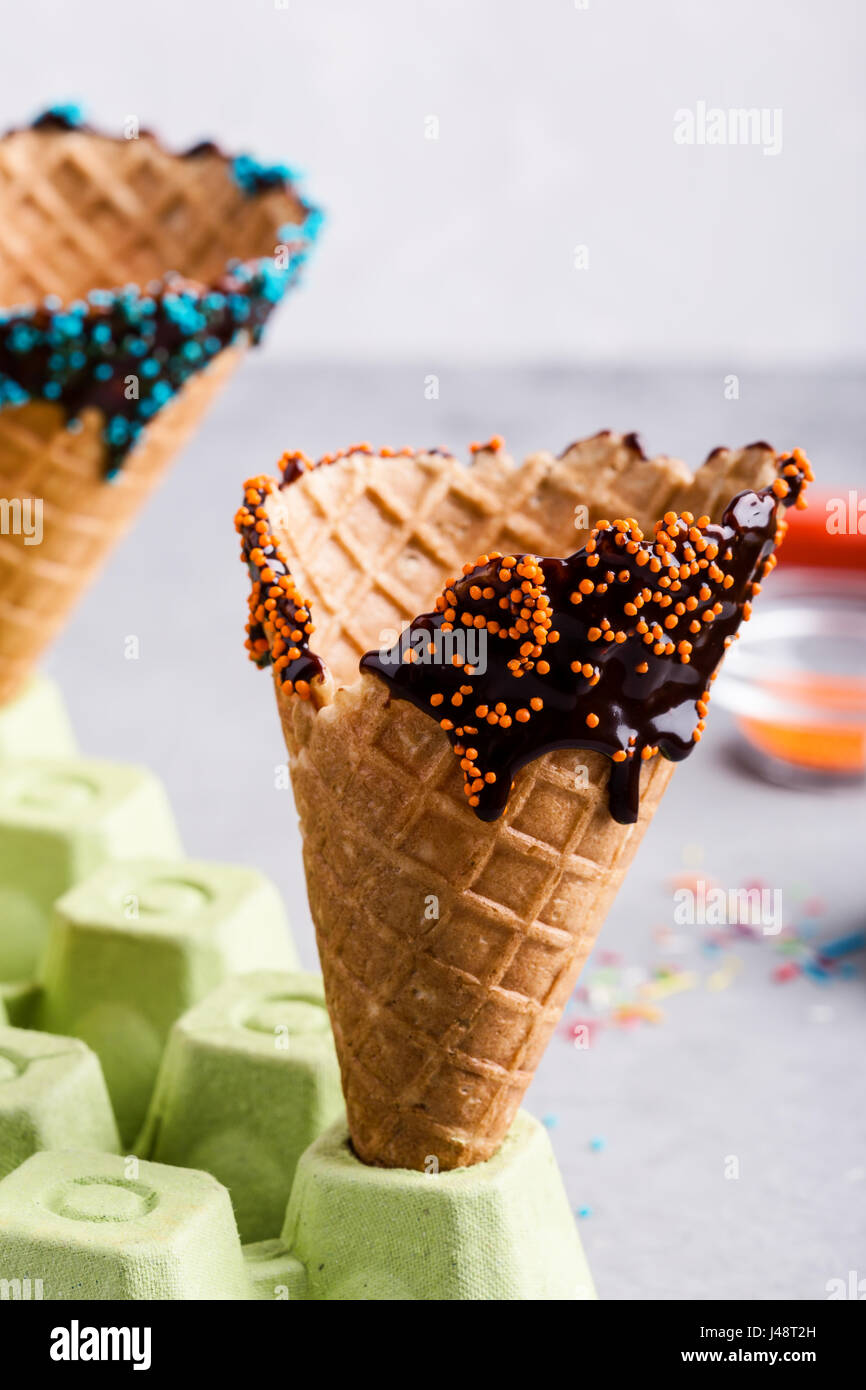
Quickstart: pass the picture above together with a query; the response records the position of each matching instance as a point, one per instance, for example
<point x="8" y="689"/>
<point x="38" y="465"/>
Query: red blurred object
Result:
<point x="830" y="533"/>
<point x="797" y="685"/>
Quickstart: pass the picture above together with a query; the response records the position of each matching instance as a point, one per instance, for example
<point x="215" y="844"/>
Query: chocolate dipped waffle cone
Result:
<point x="449" y="944"/>
<point x="133" y="279"/>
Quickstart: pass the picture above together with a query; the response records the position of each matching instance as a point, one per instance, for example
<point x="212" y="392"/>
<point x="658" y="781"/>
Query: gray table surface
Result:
<point x="767" y="1073"/>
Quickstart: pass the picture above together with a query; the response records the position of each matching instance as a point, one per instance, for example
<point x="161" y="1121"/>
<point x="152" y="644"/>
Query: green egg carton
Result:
<point x="20" y="1001"/>
<point x="60" y="819"/>
<point x="87" y="1225"/>
<point x="52" y="1096"/>
<point x="35" y="723"/>
<point x="275" y="1274"/>
<point x="249" y="1078"/>
<point x="139" y="942"/>
<point x="500" y="1230"/>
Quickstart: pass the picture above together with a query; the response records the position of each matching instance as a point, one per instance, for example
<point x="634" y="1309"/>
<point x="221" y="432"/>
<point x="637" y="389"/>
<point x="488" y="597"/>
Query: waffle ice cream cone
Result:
<point x="83" y="515"/>
<point x="449" y="946"/>
<point x="82" y="212"/>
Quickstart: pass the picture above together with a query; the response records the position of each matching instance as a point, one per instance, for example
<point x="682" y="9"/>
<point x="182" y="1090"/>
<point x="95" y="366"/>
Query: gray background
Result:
<point x="768" y="1073"/>
<point x="556" y="130"/>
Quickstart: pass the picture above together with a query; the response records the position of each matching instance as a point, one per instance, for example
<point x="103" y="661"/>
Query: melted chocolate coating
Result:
<point x="279" y="626"/>
<point x="87" y="354"/>
<point x="614" y="652"/>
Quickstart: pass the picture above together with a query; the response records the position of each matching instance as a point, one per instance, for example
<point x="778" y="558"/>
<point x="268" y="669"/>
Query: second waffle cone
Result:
<point x="83" y="515"/>
<point x="81" y="211"/>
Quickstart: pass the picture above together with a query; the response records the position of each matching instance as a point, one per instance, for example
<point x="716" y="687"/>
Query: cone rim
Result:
<point x="305" y="230"/>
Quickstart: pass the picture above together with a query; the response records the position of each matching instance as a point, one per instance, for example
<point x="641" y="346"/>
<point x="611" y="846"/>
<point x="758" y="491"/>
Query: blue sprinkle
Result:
<point x="66" y="325"/>
<point x="313" y="223"/>
<point x="11" y="393"/>
<point x="843" y="946"/>
<point x="816" y="971"/>
<point x="66" y="113"/>
<point x="254" y="177"/>
<point x="239" y="307"/>
<point x="21" y="338"/>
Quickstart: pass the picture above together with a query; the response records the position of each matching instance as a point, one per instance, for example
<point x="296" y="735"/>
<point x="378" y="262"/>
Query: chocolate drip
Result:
<point x="612" y="649"/>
